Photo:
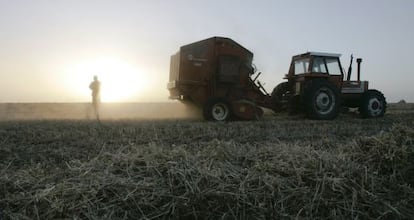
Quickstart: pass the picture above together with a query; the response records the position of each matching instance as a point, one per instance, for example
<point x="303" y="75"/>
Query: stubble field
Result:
<point x="282" y="167"/>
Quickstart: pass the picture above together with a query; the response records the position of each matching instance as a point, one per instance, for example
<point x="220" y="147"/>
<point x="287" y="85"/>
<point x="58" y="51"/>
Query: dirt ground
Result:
<point x="82" y="111"/>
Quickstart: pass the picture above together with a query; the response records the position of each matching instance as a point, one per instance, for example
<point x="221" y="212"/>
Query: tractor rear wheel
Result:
<point x="373" y="104"/>
<point x="217" y="109"/>
<point x="321" y="100"/>
<point x="278" y="96"/>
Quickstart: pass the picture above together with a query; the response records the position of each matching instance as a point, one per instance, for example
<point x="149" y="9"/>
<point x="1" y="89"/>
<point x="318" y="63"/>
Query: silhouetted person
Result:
<point x="95" y="86"/>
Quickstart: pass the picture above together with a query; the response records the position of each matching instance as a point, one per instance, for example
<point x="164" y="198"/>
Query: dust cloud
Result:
<point x="108" y="111"/>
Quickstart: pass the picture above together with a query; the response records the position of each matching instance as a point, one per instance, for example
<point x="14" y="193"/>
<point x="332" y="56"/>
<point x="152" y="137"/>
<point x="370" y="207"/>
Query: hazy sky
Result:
<point x="50" y="49"/>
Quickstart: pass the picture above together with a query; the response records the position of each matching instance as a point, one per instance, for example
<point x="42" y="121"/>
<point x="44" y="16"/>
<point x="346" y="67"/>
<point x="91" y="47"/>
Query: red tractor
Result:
<point x="217" y="74"/>
<point x="316" y="84"/>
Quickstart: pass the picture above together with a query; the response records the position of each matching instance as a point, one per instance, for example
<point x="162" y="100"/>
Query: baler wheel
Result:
<point x="217" y="109"/>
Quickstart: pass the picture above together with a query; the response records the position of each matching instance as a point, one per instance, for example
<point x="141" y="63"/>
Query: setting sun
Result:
<point x="120" y="81"/>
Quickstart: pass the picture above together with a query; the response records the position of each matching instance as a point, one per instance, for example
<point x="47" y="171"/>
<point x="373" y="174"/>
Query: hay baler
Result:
<point x="216" y="75"/>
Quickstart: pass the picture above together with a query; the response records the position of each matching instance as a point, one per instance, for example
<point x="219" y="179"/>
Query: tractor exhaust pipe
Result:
<point x="359" y="60"/>
<point x="348" y="78"/>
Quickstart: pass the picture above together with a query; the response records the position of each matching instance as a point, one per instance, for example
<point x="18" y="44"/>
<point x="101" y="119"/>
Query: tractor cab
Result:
<point x="314" y="65"/>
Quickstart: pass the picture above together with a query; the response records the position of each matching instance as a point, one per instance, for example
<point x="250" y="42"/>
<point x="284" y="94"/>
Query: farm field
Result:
<point x="281" y="167"/>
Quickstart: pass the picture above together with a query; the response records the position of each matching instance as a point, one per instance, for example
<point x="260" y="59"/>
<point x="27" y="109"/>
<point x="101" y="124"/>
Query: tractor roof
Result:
<point x="319" y="54"/>
<point x="322" y="54"/>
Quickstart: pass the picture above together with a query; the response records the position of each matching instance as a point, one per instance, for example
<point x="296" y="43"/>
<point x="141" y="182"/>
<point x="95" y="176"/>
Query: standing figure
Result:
<point x="95" y="86"/>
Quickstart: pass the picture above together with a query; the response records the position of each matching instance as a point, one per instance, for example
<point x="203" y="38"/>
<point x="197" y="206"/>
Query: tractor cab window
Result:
<point x="318" y="65"/>
<point x="301" y="66"/>
<point x="333" y="65"/>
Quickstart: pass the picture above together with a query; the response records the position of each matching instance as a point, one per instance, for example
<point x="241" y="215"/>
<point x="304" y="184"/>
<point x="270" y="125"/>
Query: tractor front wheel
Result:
<point x="217" y="109"/>
<point x="373" y="104"/>
<point x="321" y="100"/>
